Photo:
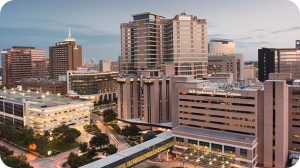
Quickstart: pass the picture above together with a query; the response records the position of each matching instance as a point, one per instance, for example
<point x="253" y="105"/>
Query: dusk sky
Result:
<point x="95" y="24"/>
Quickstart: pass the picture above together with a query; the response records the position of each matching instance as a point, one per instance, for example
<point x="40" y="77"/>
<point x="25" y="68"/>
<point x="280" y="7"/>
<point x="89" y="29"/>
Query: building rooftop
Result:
<point x="38" y="99"/>
<point x="214" y="133"/>
<point x="147" y="13"/>
<point x="220" y="40"/>
<point x="41" y="81"/>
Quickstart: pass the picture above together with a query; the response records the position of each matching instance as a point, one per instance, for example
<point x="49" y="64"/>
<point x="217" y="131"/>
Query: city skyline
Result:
<point x="97" y="26"/>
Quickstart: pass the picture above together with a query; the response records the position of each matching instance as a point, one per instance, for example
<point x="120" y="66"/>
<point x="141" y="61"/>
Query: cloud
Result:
<point x="244" y="38"/>
<point x="242" y="44"/>
<point x="287" y="30"/>
<point x="256" y="30"/>
<point x="261" y="36"/>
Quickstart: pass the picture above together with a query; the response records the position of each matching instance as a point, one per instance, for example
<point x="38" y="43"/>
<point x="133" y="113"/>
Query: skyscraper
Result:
<point x="151" y="40"/>
<point x="22" y="62"/>
<point x="64" y="56"/>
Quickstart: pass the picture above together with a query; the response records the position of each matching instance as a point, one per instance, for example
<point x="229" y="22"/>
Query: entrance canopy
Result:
<point x="206" y="159"/>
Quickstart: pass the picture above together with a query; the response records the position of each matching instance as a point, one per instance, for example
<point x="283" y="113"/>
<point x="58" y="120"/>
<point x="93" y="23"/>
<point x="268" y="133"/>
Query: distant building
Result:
<point x="152" y="40"/>
<point x="22" y="62"/>
<point x="221" y="47"/>
<point x="64" y="56"/>
<point x="104" y="65"/>
<point x="298" y="44"/>
<point x="42" y="85"/>
<point x="229" y="63"/>
<point x="114" y="66"/>
<point x="278" y="60"/>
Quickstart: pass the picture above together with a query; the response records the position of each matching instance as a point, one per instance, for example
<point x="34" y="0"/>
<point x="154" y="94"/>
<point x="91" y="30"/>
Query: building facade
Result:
<point x="22" y="62"/>
<point x="114" y="66"/>
<point x="104" y="65"/>
<point x="42" y="85"/>
<point x="64" y="56"/>
<point x="151" y="40"/>
<point x="230" y="63"/>
<point x="88" y="82"/>
<point x="257" y="125"/>
<point x="221" y="47"/>
<point x="272" y="60"/>
<point x="43" y="112"/>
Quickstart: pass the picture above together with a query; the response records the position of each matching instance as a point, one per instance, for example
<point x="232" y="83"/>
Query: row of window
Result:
<point x="220" y="103"/>
<point x="220" y="123"/>
<point x="217" y="109"/>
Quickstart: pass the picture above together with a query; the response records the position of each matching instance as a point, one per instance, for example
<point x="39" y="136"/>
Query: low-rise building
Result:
<point x="43" y="85"/>
<point x="91" y="83"/>
<point x="43" y="112"/>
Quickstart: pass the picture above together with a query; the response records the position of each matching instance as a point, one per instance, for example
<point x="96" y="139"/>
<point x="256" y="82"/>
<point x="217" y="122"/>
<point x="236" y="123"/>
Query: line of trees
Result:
<point x="13" y="161"/>
<point x="27" y="138"/>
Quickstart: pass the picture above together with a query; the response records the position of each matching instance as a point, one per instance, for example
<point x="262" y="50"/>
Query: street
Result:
<point x="122" y="144"/>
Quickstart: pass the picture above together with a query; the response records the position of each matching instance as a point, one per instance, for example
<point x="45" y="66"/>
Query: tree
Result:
<point x="17" y="162"/>
<point x="99" y="140"/>
<point x="47" y="134"/>
<point x="83" y="147"/>
<point x="109" y="115"/>
<point x="65" y="134"/>
<point x="41" y="142"/>
<point x="73" y="160"/>
<point x="112" y="149"/>
<point x="131" y="131"/>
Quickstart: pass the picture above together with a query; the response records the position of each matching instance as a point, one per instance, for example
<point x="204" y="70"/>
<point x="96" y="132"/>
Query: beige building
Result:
<point x="221" y="47"/>
<point x="229" y="63"/>
<point x="256" y="125"/>
<point x="104" y="65"/>
<point x="152" y="40"/>
<point x="249" y="72"/>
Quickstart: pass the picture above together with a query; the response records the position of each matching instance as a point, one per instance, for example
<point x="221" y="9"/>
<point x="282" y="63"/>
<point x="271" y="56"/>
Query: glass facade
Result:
<point x="87" y="84"/>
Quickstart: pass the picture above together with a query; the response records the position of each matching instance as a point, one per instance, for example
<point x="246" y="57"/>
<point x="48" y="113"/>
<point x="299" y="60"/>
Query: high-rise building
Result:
<point x="229" y="63"/>
<point x="281" y="60"/>
<point x="64" y="56"/>
<point x="22" y="62"/>
<point x="104" y="65"/>
<point x="221" y="46"/>
<point x="152" y="40"/>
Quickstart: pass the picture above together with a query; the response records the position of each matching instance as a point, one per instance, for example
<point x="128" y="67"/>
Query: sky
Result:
<point x="95" y="24"/>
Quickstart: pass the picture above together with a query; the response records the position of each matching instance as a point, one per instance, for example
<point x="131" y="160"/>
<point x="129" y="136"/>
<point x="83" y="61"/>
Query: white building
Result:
<point x="43" y="112"/>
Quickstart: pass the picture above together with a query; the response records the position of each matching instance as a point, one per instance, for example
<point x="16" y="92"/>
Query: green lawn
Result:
<point x="64" y="147"/>
<point x="58" y="148"/>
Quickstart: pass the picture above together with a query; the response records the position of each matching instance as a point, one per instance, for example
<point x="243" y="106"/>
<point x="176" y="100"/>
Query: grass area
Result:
<point x="57" y="148"/>
<point x="116" y="128"/>
<point x="62" y="147"/>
